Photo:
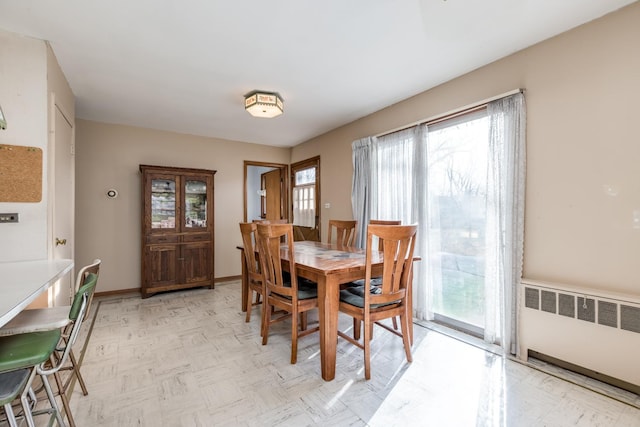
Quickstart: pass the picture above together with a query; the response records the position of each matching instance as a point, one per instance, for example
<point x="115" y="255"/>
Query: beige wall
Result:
<point x="29" y="74"/>
<point x="108" y="156"/>
<point x="582" y="92"/>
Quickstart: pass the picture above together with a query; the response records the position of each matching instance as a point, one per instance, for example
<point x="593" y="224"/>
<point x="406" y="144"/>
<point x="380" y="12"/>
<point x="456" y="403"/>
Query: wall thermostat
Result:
<point x="112" y="194"/>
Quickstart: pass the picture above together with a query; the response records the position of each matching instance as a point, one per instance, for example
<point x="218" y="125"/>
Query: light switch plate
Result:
<point x="8" y="217"/>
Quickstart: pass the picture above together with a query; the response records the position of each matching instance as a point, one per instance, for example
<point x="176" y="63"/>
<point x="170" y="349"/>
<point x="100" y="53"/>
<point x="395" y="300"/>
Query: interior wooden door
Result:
<point x="273" y="187"/>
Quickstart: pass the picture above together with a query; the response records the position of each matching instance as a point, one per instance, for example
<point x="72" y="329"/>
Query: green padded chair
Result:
<point x="48" y="351"/>
<point x="62" y="317"/>
<point x="30" y="351"/>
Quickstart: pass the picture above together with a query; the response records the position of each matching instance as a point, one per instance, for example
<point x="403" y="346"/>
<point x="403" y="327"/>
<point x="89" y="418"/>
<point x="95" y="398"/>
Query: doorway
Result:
<point x="265" y="191"/>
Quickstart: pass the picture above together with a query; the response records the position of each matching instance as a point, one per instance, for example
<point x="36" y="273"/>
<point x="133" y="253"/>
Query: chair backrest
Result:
<point x="270" y="241"/>
<point x="345" y="232"/>
<point x="77" y="314"/>
<point x="93" y="268"/>
<point x="383" y="222"/>
<point x="398" y="243"/>
<point x="249" y="240"/>
<point x="270" y="221"/>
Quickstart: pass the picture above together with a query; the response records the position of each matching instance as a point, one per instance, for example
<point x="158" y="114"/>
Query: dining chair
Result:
<point x="27" y="352"/>
<point x="345" y="232"/>
<point x="12" y="384"/>
<point x="271" y="221"/>
<point x="44" y="320"/>
<point x="376" y="281"/>
<point x="372" y="304"/>
<point x="283" y="294"/>
<point x="254" y="275"/>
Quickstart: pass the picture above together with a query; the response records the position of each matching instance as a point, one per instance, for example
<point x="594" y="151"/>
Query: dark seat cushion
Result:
<point x="11" y="384"/>
<point x="355" y="296"/>
<point x="375" y="281"/>
<point x="306" y="289"/>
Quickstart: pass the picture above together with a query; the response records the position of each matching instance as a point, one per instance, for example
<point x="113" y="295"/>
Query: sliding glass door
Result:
<point x="457" y="153"/>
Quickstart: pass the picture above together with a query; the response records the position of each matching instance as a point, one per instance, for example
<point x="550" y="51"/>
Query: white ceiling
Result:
<point x="185" y="65"/>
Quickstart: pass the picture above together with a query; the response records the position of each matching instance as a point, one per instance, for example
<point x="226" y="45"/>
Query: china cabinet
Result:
<point x="177" y="229"/>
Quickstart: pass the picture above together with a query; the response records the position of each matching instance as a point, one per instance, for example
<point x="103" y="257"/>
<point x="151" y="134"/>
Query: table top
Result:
<point x="330" y="257"/>
<point x="21" y="282"/>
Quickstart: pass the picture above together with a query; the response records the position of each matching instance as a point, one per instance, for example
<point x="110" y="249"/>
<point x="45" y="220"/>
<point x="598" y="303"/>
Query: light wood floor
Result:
<point x="189" y="359"/>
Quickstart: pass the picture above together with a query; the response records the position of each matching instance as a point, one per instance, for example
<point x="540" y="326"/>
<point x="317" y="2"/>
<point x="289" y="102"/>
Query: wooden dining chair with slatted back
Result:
<point x="371" y="304"/>
<point x="345" y="232"/>
<point x="375" y="281"/>
<point x="283" y="294"/>
<point x="254" y="274"/>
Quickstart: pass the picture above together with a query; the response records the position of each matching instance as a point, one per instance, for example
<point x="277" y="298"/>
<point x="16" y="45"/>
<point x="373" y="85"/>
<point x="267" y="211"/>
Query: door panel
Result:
<point x="196" y="262"/>
<point x="272" y="186"/>
<point x="63" y="204"/>
<point x="161" y="265"/>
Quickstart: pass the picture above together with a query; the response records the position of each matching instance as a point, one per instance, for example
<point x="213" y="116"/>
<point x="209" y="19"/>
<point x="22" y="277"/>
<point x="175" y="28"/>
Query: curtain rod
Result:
<point x="451" y="113"/>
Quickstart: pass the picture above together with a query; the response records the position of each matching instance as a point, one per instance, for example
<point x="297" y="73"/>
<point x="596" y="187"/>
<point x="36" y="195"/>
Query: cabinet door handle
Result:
<point x="61" y="242"/>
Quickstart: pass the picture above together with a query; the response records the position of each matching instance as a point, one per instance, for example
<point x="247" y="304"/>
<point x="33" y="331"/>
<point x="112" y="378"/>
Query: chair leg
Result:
<point x="65" y="399"/>
<point x="356" y="329"/>
<point x="294" y="338"/>
<point x="303" y="321"/>
<point x="266" y="320"/>
<point x="52" y="400"/>
<point x="395" y="323"/>
<point x="27" y="393"/>
<point x="247" y="318"/>
<point x="11" y="418"/>
<point x="404" y="322"/>
<point x="76" y="371"/>
<point x="367" y="350"/>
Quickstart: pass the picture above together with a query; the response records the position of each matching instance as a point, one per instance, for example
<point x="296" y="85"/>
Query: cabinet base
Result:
<point x="147" y="292"/>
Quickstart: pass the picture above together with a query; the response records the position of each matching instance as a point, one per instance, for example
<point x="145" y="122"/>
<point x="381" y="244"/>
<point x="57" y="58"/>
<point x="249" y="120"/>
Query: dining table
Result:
<point x="329" y="265"/>
<point x="21" y="282"/>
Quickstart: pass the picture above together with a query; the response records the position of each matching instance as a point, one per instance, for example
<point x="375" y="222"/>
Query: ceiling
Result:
<point x="184" y="66"/>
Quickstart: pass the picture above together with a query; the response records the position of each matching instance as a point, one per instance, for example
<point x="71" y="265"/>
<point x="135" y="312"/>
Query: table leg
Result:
<point x="328" y="300"/>
<point x="245" y="283"/>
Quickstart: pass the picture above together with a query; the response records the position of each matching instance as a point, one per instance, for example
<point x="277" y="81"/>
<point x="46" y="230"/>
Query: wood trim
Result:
<point x="304" y="164"/>
<point x="284" y="169"/>
<point x="227" y="279"/>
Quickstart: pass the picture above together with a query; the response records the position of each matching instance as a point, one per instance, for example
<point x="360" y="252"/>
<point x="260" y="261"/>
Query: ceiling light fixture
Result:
<point x="263" y="104"/>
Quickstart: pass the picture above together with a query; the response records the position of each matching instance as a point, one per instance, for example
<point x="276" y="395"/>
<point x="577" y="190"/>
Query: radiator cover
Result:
<point x="594" y="330"/>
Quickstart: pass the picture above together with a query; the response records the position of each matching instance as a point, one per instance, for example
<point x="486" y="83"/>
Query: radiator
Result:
<point x="594" y="330"/>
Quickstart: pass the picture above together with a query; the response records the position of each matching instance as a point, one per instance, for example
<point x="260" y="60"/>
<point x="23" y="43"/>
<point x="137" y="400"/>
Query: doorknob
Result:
<point x="61" y="242"/>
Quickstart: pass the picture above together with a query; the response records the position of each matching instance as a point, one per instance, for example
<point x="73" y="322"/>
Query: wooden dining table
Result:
<point x="329" y="265"/>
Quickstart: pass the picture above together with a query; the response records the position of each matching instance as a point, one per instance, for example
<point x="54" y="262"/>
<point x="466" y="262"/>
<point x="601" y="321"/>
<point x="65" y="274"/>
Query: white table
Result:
<point x="21" y="282"/>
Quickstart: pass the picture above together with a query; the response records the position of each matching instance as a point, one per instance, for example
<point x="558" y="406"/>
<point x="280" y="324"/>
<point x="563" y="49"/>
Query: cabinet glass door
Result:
<point x="163" y="203"/>
<point x="195" y="203"/>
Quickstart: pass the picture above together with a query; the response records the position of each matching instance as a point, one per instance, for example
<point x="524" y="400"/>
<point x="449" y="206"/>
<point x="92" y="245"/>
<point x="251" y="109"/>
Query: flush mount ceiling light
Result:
<point x="263" y="104"/>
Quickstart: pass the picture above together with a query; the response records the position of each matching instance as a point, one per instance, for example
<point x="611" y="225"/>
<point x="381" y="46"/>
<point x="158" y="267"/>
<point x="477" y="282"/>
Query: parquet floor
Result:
<point x="189" y="359"/>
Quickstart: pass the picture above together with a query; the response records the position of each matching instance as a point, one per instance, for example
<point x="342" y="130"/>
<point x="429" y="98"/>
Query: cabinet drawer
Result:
<point x="162" y="239"/>
<point x="196" y="237"/>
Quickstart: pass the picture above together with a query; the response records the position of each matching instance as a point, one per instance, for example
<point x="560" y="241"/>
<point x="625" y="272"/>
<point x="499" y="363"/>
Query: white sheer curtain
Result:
<point x="363" y="153"/>
<point x="395" y="188"/>
<point x="304" y="205"/>
<point x="505" y="219"/>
